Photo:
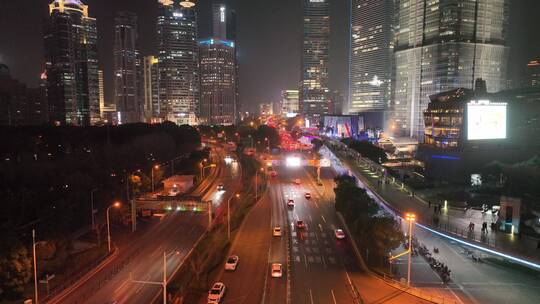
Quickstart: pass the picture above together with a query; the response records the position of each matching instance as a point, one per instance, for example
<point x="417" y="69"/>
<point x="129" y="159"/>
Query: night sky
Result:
<point x="269" y="37"/>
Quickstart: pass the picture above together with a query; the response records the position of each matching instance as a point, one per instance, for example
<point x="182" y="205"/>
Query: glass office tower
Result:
<point x="178" y="57"/>
<point x="314" y="99"/>
<point x="441" y="45"/>
<point x="70" y="37"/>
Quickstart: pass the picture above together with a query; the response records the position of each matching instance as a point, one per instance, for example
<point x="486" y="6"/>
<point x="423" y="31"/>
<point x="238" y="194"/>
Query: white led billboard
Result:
<point x="486" y="120"/>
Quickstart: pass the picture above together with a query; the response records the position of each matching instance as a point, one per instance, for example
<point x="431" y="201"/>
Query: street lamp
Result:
<point x="411" y="217"/>
<point x="115" y="205"/>
<point x="204" y="167"/>
<point x="267" y="143"/>
<point x="251" y="140"/>
<point x="156" y="167"/>
<point x="257" y="182"/>
<point x="34" y="244"/>
<point x="229" y="215"/>
<point x="92" y="206"/>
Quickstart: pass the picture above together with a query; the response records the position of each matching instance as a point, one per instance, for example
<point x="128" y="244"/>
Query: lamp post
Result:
<point x="115" y="205"/>
<point x="204" y="167"/>
<point x="250" y="140"/>
<point x="156" y="167"/>
<point x="35" y="262"/>
<point x="257" y="182"/>
<point x="92" y="206"/>
<point x="411" y="217"/>
<point x="267" y="144"/>
<point x="229" y="215"/>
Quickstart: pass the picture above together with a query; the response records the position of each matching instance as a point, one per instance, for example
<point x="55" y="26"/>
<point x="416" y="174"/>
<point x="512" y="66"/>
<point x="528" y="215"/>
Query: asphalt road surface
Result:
<point x="324" y="269"/>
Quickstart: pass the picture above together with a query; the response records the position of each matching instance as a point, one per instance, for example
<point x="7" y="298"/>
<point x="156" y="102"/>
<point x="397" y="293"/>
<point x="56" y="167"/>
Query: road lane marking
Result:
<point x="322" y="216"/>
<point x="317" y="205"/>
<point x="121" y="286"/>
<point x="333" y="296"/>
<point x="324" y="262"/>
<point x="320" y="227"/>
<point x="305" y="260"/>
<point x="310" y="296"/>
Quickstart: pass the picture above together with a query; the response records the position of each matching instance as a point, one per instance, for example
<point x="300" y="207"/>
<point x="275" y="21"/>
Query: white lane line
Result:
<point x="333" y="296"/>
<point x="310" y="296"/>
<point x="121" y="286"/>
<point x="322" y="216"/>
<point x="323" y="261"/>
<point x="310" y="218"/>
<point x="317" y="205"/>
<point x="320" y="227"/>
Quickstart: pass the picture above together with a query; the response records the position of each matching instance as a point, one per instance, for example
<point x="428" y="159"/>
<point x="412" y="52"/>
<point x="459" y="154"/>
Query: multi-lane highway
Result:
<point x="140" y="254"/>
<point x="323" y="268"/>
<point x="317" y="268"/>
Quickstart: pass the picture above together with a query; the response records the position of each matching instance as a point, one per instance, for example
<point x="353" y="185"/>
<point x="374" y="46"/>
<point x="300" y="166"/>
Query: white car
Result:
<point x="297" y="181"/>
<point x="276" y="231"/>
<point x="221" y="187"/>
<point x="290" y="202"/>
<point x="308" y="195"/>
<point x="277" y="270"/>
<point x="231" y="263"/>
<point x="216" y="293"/>
<point x="340" y="235"/>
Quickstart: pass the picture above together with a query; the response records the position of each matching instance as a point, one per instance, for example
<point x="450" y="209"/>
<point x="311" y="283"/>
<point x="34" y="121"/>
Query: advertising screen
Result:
<point x="486" y="120"/>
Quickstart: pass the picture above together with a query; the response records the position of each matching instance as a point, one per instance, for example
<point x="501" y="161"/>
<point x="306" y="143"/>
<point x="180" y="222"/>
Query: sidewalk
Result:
<point x="450" y="220"/>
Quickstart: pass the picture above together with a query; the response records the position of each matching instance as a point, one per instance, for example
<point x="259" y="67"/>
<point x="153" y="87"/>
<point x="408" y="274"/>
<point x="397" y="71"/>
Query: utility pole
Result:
<point x="35" y="266"/>
<point x="209" y="214"/>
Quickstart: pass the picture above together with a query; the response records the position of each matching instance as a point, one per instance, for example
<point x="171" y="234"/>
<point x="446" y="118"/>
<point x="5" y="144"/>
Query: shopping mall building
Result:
<point x="465" y="130"/>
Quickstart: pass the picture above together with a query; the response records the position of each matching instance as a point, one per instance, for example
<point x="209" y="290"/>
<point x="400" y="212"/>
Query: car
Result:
<point x="307" y="195"/>
<point x="231" y="263"/>
<point x="300" y="224"/>
<point x="216" y="293"/>
<point x="340" y="235"/>
<point x="221" y="187"/>
<point x="276" y="231"/>
<point x="273" y="173"/>
<point x="290" y="202"/>
<point x="297" y="181"/>
<point x="277" y="271"/>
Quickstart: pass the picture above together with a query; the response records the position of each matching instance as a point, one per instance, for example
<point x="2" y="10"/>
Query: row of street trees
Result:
<point x="376" y="233"/>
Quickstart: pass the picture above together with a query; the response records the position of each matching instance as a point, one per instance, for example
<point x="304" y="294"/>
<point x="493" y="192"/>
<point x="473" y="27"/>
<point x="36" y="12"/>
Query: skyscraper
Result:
<point x="315" y="45"/>
<point x="71" y="64"/>
<point x="178" y="56"/>
<point x="441" y="45"/>
<point x="126" y="74"/>
<point x="224" y="27"/>
<point x="218" y="81"/>
<point x="371" y="55"/>
<point x="219" y="20"/>
<point x="151" y="88"/>
<point x="289" y="102"/>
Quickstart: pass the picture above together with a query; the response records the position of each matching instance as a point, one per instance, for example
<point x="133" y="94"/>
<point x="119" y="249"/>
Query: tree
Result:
<point x="15" y="269"/>
<point x="379" y="235"/>
<point x="366" y="149"/>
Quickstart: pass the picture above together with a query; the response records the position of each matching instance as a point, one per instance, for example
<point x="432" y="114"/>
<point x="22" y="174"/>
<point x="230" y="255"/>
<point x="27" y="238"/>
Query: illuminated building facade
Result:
<point x="218" y="81"/>
<point x="467" y="129"/>
<point x="150" y="90"/>
<point x="315" y="47"/>
<point x="289" y="102"/>
<point x="370" y="55"/>
<point x="178" y="56"/>
<point x="70" y="37"/>
<point x="126" y="72"/>
<point x="441" y="45"/>
<point x="101" y="86"/>
<point x="533" y="74"/>
<point x="224" y="27"/>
